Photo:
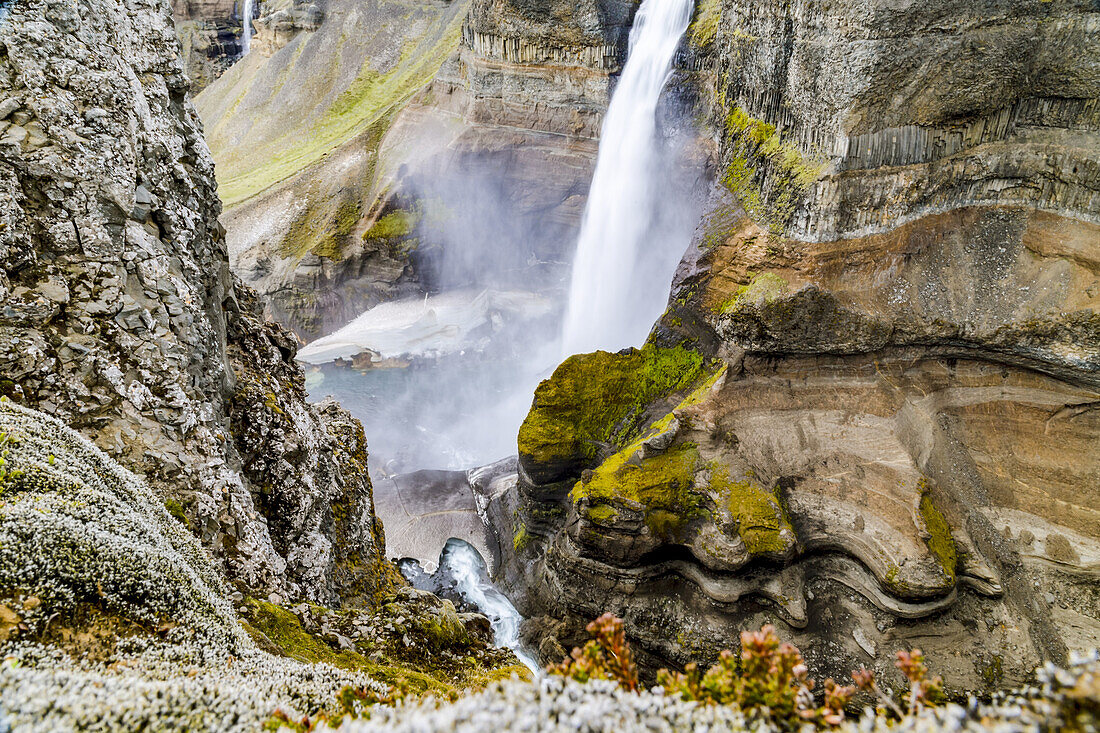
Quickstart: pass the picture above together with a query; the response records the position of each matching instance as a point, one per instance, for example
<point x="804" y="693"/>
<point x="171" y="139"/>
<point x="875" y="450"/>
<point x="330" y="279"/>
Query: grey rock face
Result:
<point x="117" y="298"/>
<point x="1004" y="112"/>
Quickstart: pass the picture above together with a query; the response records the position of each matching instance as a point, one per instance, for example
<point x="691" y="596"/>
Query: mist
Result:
<point x="494" y="255"/>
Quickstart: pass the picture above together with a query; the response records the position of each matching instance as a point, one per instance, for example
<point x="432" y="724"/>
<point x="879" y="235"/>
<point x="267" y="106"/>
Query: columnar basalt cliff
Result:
<point x="118" y="302"/>
<point x="323" y="161"/>
<point x="210" y="36"/>
<point x="870" y="411"/>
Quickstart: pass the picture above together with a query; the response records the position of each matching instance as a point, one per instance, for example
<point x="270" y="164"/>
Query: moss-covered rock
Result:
<point x="415" y="642"/>
<point x="594" y="402"/>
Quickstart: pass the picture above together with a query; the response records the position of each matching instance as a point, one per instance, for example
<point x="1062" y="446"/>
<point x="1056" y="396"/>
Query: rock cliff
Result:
<point x="210" y="36"/>
<point x="340" y="172"/>
<point x="869" y="412"/>
<point x="121" y="318"/>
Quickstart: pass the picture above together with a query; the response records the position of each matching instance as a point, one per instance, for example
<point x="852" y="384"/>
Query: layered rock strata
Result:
<point x="210" y="35"/>
<point x="342" y="197"/>
<point x="118" y="304"/>
<point x="887" y="434"/>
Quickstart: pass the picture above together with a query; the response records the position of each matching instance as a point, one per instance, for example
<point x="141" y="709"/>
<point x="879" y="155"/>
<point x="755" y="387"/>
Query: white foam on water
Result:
<point x="467" y="568"/>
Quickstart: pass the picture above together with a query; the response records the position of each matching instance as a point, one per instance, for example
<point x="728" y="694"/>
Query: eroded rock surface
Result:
<point x="117" y="303"/>
<point x="889" y="437"/>
<point x="210" y="35"/>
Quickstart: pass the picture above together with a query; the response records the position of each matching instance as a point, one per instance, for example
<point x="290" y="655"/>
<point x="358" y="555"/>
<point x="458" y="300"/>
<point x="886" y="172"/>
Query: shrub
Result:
<point x="606" y="657"/>
<point x="769" y="679"/>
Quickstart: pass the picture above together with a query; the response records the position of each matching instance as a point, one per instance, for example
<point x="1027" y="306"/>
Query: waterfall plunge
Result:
<point x="613" y="299"/>
<point x="246" y="27"/>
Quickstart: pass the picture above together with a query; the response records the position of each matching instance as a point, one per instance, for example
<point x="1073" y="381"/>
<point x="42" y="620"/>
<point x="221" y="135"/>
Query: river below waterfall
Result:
<point x="463" y="579"/>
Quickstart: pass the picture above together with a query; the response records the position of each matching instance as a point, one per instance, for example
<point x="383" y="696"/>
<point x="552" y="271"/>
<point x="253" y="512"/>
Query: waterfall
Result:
<point x="246" y="27"/>
<point x="613" y="300"/>
<point x="465" y="566"/>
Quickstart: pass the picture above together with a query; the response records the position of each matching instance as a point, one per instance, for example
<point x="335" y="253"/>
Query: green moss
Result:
<point x="283" y="629"/>
<point x="994" y="672"/>
<point x="662" y="484"/>
<point x="939" y="541"/>
<point x="766" y="172"/>
<point x="394" y="225"/>
<point x="176" y="510"/>
<point x="704" y="28"/>
<point x="759" y="512"/>
<point x="600" y="399"/>
<point x="8" y="477"/>
<point x="764" y="287"/>
<point x="521" y="539"/>
<point x="601" y="513"/>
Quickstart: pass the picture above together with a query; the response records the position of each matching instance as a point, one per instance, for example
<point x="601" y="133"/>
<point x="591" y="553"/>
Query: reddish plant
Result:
<point x="923" y="691"/>
<point x="605" y="657"/>
<point x="769" y="678"/>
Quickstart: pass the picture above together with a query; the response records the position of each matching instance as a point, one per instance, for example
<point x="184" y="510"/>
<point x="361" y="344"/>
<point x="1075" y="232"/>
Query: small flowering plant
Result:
<point x="923" y="690"/>
<point x="605" y="657"/>
<point x="768" y="679"/>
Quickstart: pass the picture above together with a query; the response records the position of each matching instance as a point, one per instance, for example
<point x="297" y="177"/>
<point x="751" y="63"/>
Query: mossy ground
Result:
<point x="662" y="485"/>
<point x="414" y="670"/>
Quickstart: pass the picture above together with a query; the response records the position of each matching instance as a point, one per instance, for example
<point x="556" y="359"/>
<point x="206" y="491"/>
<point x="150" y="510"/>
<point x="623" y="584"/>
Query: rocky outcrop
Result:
<point x="118" y="301"/>
<point x="279" y="27"/>
<point x="112" y="615"/>
<point x="210" y="35"/>
<point x="887" y="437"/>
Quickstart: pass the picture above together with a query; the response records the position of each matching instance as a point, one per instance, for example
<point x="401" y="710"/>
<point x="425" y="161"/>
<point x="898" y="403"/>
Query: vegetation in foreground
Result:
<point x="766" y="686"/>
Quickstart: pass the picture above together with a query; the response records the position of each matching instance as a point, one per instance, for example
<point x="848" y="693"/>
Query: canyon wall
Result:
<point x="210" y="37"/>
<point x="121" y="317"/>
<point x="869" y="414"/>
<point x="325" y="158"/>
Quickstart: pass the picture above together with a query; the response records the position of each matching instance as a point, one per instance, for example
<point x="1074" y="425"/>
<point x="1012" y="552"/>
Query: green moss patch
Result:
<point x="704" y="27"/>
<point x="599" y="400"/>
<point x="759" y="513"/>
<point x="416" y="670"/>
<point x="768" y="173"/>
<point x="663" y="485"/>
<point x="763" y="288"/>
<point x="939" y="541"/>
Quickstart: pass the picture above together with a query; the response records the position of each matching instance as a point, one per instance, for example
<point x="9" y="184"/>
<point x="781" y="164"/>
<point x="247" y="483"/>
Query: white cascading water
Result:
<point x="610" y="306"/>
<point x="466" y="567"/>
<point x="246" y="27"/>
